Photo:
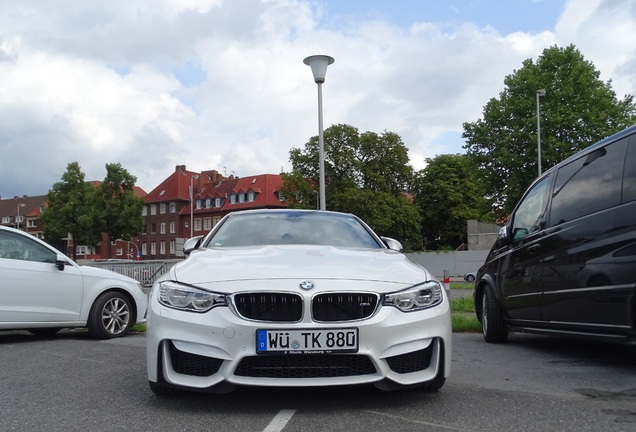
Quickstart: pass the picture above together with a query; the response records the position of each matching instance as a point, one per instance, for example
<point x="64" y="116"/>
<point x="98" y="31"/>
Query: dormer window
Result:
<point x="208" y="202"/>
<point x="233" y="198"/>
<point x="217" y="202"/>
<point x="241" y="197"/>
<point x="250" y="196"/>
<point x="198" y="204"/>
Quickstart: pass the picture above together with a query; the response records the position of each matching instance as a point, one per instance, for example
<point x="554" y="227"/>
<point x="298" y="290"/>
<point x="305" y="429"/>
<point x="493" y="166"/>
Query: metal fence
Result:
<point x="145" y="272"/>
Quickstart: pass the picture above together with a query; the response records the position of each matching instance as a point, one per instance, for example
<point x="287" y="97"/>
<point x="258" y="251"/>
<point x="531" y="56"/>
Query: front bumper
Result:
<point x="216" y="351"/>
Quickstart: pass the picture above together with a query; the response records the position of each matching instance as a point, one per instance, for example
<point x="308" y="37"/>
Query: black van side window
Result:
<point x="589" y="184"/>
<point x="527" y="218"/>
<point x="629" y="179"/>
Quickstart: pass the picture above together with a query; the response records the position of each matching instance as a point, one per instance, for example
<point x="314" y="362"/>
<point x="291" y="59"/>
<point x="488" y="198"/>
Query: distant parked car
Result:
<point x="292" y="298"/>
<point x="470" y="277"/>
<point x="43" y="291"/>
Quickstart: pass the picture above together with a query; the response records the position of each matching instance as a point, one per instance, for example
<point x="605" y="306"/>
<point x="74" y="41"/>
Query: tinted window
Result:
<point x="629" y="181"/>
<point x="527" y="217"/>
<point x="589" y="184"/>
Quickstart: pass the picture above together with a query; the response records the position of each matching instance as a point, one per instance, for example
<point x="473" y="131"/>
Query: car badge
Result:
<point x="307" y="285"/>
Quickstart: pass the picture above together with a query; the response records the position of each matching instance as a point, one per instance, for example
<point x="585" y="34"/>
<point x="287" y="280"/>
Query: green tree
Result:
<point x="447" y="194"/>
<point x="71" y="210"/>
<point x="389" y="215"/>
<point x="120" y="209"/>
<point x="577" y="110"/>
<point x="363" y="173"/>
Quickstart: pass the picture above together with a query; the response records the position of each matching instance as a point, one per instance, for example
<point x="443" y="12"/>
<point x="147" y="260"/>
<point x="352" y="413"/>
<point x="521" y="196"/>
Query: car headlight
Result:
<point x="418" y="297"/>
<point x="188" y="298"/>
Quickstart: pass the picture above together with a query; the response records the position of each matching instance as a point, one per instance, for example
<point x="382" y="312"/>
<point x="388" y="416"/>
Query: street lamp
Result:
<point x="318" y="64"/>
<point x="540" y="92"/>
<point x="195" y="177"/>
<point x="17" y="218"/>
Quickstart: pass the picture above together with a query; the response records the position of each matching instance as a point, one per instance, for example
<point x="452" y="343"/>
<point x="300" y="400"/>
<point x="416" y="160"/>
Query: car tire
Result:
<point x="494" y="328"/>
<point x="111" y="316"/>
<point x="470" y="278"/>
<point x="438" y="382"/>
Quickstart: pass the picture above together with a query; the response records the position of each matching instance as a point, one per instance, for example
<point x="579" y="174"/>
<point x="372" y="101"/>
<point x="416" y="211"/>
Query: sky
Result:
<point x="221" y="84"/>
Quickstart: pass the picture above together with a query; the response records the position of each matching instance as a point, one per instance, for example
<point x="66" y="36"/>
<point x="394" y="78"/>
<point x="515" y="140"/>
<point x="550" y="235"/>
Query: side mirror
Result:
<point x="60" y="262"/>
<point x="392" y="244"/>
<point x="504" y="236"/>
<point x="192" y="244"/>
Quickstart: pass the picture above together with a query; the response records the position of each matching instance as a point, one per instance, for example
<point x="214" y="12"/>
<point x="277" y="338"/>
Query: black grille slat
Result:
<point x="343" y="306"/>
<point x="273" y="307"/>
<point x="192" y="364"/>
<point x="411" y="362"/>
<point x="305" y="366"/>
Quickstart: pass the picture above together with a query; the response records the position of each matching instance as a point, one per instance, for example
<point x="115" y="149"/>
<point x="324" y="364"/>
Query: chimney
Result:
<point x="181" y="168"/>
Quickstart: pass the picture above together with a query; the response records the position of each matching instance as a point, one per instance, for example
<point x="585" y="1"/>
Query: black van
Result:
<point x="565" y="263"/>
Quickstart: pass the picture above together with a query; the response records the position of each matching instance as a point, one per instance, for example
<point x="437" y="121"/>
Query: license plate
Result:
<point x="314" y="341"/>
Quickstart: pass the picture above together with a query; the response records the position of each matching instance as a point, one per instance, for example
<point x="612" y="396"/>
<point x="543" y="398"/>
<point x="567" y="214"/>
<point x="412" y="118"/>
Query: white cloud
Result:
<point x="221" y="85"/>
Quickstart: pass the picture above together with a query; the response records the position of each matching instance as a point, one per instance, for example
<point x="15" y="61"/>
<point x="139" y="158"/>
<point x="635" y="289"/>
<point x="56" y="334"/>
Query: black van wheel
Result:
<point x="493" y="326"/>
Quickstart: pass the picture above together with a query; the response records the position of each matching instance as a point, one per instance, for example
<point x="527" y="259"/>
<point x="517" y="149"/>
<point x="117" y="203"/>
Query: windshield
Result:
<point x="284" y="228"/>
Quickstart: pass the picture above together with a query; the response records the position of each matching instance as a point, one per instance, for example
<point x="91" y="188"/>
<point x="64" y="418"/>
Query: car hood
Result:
<point x="209" y="266"/>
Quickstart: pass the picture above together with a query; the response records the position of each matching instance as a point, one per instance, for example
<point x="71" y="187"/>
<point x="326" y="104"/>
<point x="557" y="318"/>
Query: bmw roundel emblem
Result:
<point x="307" y="285"/>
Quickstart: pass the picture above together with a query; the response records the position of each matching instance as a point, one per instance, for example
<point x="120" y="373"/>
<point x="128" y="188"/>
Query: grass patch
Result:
<point x="462" y="285"/>
<point x="463" y="316"/>
<point x="138" y="328"/>
<point x="465" y="323"/>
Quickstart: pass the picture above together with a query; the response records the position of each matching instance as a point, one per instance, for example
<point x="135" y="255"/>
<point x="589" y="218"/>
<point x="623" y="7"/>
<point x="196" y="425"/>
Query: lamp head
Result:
<point x="318" y="64"/>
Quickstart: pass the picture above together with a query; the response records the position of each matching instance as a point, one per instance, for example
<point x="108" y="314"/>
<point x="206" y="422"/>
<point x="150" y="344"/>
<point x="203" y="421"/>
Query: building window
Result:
<point x="217" y="202"/>
<point x="173" y="247"/>
<point x="119" y="251"/>
<point x="153" y="228"/>
<point x="6" y="219"/>
<point x="31" y="223"/>
<point x="143" y="229"/>
<point x="281" y="197"/>
<point x="216" y="220"/>
<point x="153" y="248"/>
<point x="207" y="223"/>
<point x="241" y="197"/>
<point x="198" y="204"/>
<point x="162" y="247"/>
<point x="153" y="209"/>
<point x="81" y="250"/>
<point x="173" y="207"/>
<point x="144" y="211"/>
<point x="144" y="249"/>
<point x="162" y="228"/>
<point x="232" y="199"/>
<point x="197" y="224"/>
<point x="208" y="202"/>
<point x="250" y="196"/>
<point x="173" y="227"/>
<point x="186" y="224"/>
<point x="162" y="208"/>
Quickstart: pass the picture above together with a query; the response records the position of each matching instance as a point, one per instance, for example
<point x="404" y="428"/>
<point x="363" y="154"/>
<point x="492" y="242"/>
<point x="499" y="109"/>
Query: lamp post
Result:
<point x="540" y="92"/>
<point x="318" y="64"/>
<point x="192" y="204"/>
<point x="17" y="218"/>
<point x="130" y="254"/>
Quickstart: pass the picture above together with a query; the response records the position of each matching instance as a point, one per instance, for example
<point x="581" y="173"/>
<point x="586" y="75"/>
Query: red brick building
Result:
<point x="173" y="213"/>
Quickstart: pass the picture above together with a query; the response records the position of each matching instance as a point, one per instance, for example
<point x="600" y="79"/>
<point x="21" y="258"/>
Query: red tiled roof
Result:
<point x="174" y="188"/>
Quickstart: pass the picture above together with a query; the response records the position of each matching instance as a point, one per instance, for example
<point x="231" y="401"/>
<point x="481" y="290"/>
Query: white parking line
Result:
<point x="278" y="423"/>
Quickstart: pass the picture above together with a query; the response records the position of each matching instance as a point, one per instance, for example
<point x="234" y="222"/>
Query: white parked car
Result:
<point x="43" y="291"/>
<point x="296" y="298"/>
